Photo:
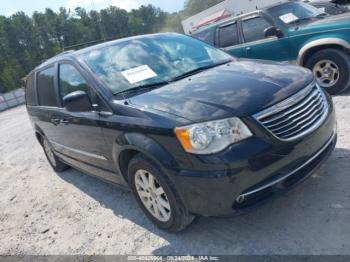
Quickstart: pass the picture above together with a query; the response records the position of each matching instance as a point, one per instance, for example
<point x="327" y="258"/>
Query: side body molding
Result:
<point x="320" y="42"/>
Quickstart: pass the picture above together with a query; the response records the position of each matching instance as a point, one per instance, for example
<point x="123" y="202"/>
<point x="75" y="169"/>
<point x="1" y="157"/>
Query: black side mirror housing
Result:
<point x="77" y="101"/>
<point x="273" y="31"/>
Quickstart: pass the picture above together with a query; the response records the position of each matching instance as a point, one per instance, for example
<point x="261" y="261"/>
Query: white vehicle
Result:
<point x="222" y="10"/>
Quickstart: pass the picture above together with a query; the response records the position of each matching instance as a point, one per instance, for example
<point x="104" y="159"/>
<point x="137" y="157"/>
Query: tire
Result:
<point x="55" y="162"/>
<point x="176" y="218"/>
<point x="326" y="63"/>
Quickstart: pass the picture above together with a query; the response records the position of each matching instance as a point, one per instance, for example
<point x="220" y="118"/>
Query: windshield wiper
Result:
<point x="197" y="70"/>
<point x="299" y="20"/>
<point x="321" y="15"/>
<point x="160" y="84"/>
<point x="142" y="87"/>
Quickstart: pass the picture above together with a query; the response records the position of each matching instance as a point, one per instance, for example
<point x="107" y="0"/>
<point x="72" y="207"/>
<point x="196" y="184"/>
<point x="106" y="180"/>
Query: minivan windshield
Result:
<point x="151" y="60"/>
<point x="292" y="13"/>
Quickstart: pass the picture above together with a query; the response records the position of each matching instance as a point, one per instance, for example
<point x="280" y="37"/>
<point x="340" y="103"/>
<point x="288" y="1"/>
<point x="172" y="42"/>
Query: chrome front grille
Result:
<point x="297" y="116"/>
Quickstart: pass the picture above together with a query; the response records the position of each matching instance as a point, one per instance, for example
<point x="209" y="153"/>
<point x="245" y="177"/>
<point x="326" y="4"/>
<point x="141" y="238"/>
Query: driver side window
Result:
<point x="253" y="29"/>
<point x="70" y="80"/>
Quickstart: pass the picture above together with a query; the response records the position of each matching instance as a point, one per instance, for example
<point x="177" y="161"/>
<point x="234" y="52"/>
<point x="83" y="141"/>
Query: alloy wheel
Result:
<point x="327" y="73"/>
<point x="152" y="195"/>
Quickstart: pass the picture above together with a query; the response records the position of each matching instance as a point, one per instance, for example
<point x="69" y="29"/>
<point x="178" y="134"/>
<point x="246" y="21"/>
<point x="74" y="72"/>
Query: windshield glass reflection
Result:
<point x="151" y="59"/>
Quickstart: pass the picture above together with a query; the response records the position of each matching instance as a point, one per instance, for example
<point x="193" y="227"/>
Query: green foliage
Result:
<point x="173" y="23"/>
<point x="26" y="41"/>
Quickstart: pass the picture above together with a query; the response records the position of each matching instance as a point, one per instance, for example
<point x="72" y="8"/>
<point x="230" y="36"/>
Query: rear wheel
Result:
<point x="54" y="161"/>
<point x="331" y="68"/>
<point x="156" y="196"/>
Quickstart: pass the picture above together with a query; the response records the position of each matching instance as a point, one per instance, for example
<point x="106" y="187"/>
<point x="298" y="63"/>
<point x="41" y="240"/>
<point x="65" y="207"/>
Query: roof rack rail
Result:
<point x="59" y="54"/>
<point x="227" y="18"/>
<point x="64" y="52"/>
<point x="86" y="44"/>
<point x="214" y="18"/>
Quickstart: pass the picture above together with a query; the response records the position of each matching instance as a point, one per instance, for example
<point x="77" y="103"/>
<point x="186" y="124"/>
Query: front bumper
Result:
<point x="256" y="176"/>
<point x="283" y="182"/>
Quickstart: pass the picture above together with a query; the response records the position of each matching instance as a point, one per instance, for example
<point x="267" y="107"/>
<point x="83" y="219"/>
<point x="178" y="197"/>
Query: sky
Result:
<point x="8" y="7"/>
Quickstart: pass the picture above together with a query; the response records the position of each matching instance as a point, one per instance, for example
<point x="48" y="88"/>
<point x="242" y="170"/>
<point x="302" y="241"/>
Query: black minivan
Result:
<point x="192" y="130"/>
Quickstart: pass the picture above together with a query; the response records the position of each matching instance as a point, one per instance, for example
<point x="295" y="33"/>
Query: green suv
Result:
<point x="291" y="31"/>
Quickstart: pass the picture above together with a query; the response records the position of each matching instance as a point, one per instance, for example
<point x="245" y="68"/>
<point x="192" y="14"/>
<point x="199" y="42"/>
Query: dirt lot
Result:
<point x="42" y="212"/>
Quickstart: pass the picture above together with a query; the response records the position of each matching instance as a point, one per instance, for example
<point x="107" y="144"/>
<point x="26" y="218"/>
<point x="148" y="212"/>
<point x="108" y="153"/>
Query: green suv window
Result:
<point x="228" y="35"/>
<point x="253" y="29"/>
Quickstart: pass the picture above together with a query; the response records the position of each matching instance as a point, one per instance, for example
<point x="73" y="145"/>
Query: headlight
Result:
<point x="212" y="137"/>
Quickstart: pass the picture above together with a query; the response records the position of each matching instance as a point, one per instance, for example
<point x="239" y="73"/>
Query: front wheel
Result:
<point x="156" y="196"/>
<point x="331" y="68"/>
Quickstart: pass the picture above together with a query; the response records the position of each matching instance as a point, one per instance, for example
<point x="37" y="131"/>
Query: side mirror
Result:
<point x="273" y="31"/>
<point x="77" y="101"/>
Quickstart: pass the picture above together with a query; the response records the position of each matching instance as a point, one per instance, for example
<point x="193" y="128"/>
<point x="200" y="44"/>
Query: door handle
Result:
<point x="248" y="48"/>
<point x="65" y="121"/>
<point x="55" y="121"/>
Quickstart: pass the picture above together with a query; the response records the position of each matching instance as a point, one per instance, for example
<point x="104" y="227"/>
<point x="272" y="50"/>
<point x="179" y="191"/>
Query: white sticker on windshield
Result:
<point x="138" y="74"/>
<point x="288" y="18"/>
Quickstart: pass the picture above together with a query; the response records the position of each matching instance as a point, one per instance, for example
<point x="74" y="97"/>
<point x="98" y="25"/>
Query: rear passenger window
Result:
<point x="228" y="36"/>
<point x="30" y="92"/>
<point x="46" y="88"/>
<point x="253" y="29"/>
<point x="70" y="80"/>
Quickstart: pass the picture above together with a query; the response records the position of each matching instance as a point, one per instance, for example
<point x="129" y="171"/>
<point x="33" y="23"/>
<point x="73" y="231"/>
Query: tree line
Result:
<point x="25" y="40"/>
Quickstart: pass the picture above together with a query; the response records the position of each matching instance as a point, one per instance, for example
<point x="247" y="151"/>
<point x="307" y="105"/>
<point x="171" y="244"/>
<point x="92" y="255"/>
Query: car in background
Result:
<point x="190" y="129"/>
<point x="295" y="32"/>
<point x="329" y="7"/>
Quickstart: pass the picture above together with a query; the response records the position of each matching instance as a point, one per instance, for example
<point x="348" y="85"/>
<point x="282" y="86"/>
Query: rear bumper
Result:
<point x="249" y="181"/>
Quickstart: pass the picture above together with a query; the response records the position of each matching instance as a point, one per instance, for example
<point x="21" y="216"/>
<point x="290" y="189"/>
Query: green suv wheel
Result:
<point x="331" y="68"/>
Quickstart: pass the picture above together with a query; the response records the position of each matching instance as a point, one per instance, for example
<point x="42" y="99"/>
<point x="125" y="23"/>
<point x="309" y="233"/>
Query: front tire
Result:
<point x="331" y="68"/>
<point x="54" y="161"/>
<point x="156" y="196"/>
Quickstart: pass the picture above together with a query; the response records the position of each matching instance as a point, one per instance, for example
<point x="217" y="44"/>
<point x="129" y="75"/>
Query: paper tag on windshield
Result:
<point x="288" y="18"/>
<point x="138" y="74"/>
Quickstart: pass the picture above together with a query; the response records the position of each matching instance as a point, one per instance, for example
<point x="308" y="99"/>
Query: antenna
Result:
<point x="102" y="28"/>
<point x="103" y="35"/>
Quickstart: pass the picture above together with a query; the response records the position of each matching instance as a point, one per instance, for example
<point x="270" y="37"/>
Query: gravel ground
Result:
<point x="42" y="212"/>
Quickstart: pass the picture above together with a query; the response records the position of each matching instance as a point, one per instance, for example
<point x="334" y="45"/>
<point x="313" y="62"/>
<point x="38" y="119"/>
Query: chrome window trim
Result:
<point x="290" y="102"/>
<point x="260" y="41"/>
<point x="232" y="47"/>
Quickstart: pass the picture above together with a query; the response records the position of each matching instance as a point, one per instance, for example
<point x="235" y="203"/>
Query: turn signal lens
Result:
<point x="184" y="137"/>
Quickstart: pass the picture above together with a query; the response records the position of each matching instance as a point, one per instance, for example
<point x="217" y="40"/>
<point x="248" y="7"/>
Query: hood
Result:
<point x="239" y="88"/>
<point x="340" y="21"/>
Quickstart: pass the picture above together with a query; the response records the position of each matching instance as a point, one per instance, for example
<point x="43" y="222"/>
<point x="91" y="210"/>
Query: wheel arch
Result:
<point x="314" y="46"/>
<point x="135" y="143"/>
<point x="39" y="134"/>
